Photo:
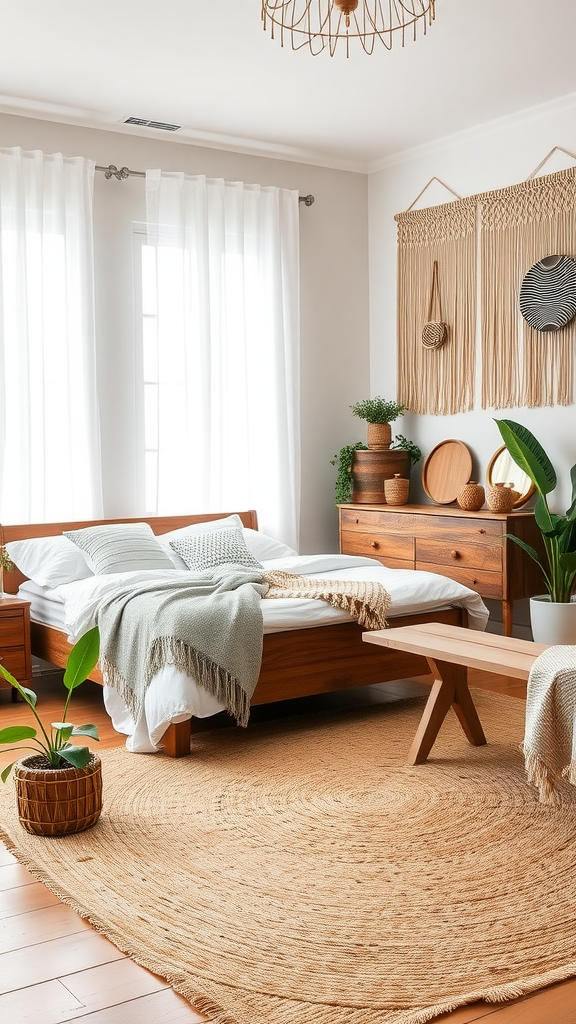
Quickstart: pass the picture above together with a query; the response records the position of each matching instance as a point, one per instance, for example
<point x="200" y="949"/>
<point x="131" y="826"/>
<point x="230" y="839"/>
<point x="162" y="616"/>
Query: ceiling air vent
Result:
<point x="161" y="125"/>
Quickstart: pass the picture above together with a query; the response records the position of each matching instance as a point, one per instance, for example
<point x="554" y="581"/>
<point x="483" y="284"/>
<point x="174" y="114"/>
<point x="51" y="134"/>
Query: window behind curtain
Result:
<point x="219" y="367"/>
<point x="49" y="448"/>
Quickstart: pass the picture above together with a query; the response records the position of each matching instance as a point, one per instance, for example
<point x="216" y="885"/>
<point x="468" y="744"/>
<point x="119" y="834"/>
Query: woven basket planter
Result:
<point x="379" y="436"/>
<point x="56" y="801"/>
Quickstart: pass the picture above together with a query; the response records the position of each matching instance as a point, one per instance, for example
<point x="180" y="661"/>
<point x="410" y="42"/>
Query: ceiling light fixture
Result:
<point x="318" y="24"/>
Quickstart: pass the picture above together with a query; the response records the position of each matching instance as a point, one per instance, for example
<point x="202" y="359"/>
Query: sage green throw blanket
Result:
<point x="209" y="627"/>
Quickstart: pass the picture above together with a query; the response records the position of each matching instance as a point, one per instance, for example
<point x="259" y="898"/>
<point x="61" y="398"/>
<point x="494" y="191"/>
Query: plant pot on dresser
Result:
<point x="470" y="547"/>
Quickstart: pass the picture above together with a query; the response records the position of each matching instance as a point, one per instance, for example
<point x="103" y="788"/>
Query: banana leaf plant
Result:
<point x="54" y="743"/>
<point x="558" y="531"/>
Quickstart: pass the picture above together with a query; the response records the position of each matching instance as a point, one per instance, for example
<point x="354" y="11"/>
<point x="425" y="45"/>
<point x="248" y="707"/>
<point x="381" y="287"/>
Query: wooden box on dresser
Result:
<point x="15" y="641"/>
<point x="470" y="547"/>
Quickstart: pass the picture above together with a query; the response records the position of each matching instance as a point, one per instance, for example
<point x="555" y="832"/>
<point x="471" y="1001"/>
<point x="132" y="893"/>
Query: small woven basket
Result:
<point x="471" y="497"/>
<point x="56" y="801"/>
<point x="396" y="490"/>
<point x="500" y="498"/>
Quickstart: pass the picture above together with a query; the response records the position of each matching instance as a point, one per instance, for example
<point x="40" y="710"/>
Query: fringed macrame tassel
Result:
<point x="520" y="225"/>
<point x="437" y="380"/>
<point x="541" y="776"/>
<point x="216" y="680"/>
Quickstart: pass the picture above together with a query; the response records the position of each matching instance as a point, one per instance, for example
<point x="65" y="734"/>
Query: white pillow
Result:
<point x="120" y="547"/>
<point x="49" y="561"/>
<point x="263" y="547"/>
<point x="206" y="550"/>
<point x="192" y="531"/>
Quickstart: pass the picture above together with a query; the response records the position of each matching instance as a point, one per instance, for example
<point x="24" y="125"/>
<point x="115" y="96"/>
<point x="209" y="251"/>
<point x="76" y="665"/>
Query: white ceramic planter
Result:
<point x="552" y="622"/>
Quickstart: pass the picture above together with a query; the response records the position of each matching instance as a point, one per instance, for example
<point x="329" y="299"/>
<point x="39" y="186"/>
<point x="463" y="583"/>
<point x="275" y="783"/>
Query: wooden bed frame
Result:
<point x="295" y="663"/>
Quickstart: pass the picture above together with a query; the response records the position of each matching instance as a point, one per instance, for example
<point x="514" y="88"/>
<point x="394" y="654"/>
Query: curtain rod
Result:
<point x="124" y="172"/>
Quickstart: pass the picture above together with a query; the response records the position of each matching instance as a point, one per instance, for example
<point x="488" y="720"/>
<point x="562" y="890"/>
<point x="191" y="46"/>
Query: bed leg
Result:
<point x="176" y="739"/>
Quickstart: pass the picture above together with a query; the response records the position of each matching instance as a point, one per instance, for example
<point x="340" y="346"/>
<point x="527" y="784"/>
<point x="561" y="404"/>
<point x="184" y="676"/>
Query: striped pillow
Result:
<point x="120" y="547"/>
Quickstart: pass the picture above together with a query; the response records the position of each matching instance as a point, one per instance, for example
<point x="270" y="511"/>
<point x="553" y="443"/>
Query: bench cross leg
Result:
<point x="449" y="690"/>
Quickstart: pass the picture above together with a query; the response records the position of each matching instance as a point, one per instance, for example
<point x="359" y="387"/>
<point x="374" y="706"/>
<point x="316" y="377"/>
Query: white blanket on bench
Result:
<point x="550" y="736"/>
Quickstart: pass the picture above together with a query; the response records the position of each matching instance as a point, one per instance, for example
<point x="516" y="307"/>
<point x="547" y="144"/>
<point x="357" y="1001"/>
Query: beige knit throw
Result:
<point x="550" y="735"/>
<point x="365" y="601"/>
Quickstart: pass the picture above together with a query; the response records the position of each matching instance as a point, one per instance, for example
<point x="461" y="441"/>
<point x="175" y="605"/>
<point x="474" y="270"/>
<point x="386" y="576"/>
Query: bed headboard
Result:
<point x="159" y="524"/>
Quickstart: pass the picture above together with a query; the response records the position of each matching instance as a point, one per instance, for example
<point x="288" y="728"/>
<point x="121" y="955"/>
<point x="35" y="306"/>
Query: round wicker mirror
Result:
<point x="503" y="470"/>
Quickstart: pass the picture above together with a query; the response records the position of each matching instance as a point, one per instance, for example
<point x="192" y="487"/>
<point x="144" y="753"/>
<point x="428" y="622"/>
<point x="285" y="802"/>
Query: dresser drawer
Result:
<point x="11" y="629"/>
<point x="457" y="530"/>
<point x="461" y="553"/>
<point x="373" y="521"/>
<point x="487" y="584"/>
<point x="15" y="663"/>
<point x="395" y="551"/>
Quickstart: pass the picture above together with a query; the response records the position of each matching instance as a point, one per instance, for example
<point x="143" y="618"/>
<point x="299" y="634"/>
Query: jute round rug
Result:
<point x="299" y="873"/>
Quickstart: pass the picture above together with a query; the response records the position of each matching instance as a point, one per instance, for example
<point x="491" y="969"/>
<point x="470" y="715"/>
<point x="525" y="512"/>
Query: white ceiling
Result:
<point x="209" y="66"/>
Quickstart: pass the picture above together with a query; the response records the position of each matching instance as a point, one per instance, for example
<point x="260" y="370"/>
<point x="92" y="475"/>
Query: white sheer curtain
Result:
<point x="221" y="349"/>
<point x="49" y="436"/>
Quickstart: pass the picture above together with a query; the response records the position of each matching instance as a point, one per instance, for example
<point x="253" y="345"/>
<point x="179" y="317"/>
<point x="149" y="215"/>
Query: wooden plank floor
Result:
<point x="54" y="967"/>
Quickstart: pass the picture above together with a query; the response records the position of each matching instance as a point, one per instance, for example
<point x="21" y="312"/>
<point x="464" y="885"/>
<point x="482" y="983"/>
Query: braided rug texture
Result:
<point x="299" y="873"/>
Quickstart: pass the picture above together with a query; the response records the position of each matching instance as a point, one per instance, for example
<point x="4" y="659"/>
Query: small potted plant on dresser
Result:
<point x="362" y="469"/>
<point x="382" y="459"/>
<point x="553" y="614"/>
<point x="379" y="413"/>
<point x="59" y="786"/>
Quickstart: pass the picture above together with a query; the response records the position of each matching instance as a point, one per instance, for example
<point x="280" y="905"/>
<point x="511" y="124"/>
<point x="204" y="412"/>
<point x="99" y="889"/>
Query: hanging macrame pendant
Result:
<point x="434" y="332"/>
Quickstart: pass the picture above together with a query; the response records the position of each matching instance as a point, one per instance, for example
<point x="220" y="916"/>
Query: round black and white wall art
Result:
<point x="548" y="293"/>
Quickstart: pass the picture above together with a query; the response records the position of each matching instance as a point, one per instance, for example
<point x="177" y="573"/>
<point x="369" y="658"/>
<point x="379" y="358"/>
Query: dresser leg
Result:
<point x="507" y="617"/>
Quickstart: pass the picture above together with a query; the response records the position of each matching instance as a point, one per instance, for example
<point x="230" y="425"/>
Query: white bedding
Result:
<point x="172" y="696"/>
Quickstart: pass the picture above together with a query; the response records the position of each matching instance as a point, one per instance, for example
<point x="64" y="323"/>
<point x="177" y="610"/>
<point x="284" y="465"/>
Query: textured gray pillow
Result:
<point x="216" y="547"/>
<point x="120" y="547"/>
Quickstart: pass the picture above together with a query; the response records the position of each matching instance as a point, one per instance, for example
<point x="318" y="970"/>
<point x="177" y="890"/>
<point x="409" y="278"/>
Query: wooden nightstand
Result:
<point x="15" y="651"/>
<point x="470" y="547"/>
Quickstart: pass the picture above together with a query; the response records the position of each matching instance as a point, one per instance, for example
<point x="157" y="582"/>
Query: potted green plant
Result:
<point x="379" y="413"/>
<point x="553" y="615"/>
<point x="345" y="458"/>
<point x="59" y="786"/>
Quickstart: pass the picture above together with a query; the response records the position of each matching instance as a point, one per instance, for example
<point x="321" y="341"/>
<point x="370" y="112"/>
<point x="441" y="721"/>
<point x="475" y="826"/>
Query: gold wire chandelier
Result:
<point x="318" y="24"/>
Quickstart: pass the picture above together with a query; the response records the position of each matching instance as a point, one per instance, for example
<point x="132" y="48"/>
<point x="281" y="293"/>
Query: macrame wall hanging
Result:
<point x="438" y="376"/>
<point x="516" y="227"/>
<point x="520" y="225"/>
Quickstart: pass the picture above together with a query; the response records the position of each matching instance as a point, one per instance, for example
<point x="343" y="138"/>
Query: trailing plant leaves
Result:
<point x="82" y="658"/>
<point x="528" y="454"/>
<point x="15" y="733"/>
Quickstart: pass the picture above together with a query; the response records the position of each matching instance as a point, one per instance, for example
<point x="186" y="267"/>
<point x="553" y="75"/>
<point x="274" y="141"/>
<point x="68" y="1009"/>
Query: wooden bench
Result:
<point x="450" y="651"/>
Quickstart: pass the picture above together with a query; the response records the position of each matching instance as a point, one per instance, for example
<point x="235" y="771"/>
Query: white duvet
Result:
<point x="173" y="696"/>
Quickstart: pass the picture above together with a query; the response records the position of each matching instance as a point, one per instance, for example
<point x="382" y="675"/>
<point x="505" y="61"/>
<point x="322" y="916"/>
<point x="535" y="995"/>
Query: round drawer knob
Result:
<point x="454" y="554"/>
<point x="374" y="544"/>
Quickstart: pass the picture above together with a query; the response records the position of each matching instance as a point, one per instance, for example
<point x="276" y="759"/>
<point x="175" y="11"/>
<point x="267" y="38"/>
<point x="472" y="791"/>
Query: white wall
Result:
<point x="494" y="156"/>
<point x="334" y="296"/>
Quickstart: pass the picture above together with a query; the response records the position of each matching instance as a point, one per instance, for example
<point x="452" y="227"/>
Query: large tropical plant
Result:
<point x="558" y="531"/>
<point x="53" y="742"/>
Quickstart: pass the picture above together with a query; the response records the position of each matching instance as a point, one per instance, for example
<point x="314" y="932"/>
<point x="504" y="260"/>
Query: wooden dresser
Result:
<point x="15" y="641"/>
<point x="470" y="547"/>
